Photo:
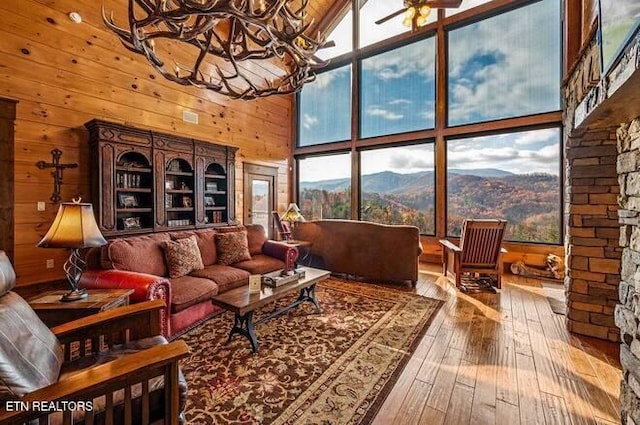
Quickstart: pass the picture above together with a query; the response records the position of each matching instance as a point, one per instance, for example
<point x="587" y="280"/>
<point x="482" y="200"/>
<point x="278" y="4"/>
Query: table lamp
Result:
<point x="292" y="214"/>
<point x="74" y="227"/>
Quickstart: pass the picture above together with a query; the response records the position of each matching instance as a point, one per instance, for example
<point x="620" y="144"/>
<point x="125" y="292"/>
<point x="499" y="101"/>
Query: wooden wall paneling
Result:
<point x="7" y="155"/>
<point x="64" y="75"/>
<point x="128" y="63"/>
<point x="179" y="53"/>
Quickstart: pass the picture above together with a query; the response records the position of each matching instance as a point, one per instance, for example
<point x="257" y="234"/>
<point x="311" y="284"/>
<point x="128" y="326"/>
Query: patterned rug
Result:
<point x="332" y="368"/>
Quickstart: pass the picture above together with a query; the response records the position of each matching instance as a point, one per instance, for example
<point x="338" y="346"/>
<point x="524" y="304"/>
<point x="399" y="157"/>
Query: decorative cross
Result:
<point x="57" y="173"/>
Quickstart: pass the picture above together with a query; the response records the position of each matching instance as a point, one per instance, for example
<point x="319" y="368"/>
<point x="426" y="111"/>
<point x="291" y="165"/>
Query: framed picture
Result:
<point x="209" y="202"/>
<point x="211" y="186"/>
<point x="130" y="223"/>
<point x="169" y="185"/>
<point x="127" y="200"/>
<point x="187" y="202"/>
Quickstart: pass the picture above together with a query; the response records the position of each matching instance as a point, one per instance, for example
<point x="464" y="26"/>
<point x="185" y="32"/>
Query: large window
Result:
<point x="325" y="108"/>
<point x="506" y="66"/>
<point x="513" y="176"/>
<point x="397" y="186"/>
<point x="398" y="90"/>
<point x="325" y="186"/>
<point x="374" y="10"/>
<point x="341" y="37"/>
<point x="478" y="137"/>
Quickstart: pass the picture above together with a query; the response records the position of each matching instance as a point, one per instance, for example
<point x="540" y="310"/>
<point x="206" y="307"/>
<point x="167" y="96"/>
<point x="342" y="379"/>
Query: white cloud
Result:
<point x="401" y="159"/>
<point x="534" y="137"/>
<point x="309" y="121"/>
<point x="400" y="102"/>
<point x="376" y="111"/>
<point x="519" y="83"/>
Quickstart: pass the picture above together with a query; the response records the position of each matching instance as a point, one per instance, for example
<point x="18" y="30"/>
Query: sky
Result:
<point x="527" y="152"/>
<point x="505" y="66"/>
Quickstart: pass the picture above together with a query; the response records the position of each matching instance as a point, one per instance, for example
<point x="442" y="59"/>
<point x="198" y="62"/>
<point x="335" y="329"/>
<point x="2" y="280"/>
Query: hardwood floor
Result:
<point x="503" y="358"/>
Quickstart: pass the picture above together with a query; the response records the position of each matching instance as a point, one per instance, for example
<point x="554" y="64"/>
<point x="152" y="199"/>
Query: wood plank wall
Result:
<point x="64" y="74"/>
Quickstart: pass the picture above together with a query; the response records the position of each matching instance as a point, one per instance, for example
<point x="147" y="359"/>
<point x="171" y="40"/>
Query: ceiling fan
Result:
<point x="419" y="10"/>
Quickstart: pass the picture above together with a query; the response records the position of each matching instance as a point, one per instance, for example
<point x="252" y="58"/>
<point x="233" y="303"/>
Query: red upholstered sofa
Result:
<point x="139" y="263"/>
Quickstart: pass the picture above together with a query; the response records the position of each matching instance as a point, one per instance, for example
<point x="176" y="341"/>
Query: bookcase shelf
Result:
<point x="148" y="181"/>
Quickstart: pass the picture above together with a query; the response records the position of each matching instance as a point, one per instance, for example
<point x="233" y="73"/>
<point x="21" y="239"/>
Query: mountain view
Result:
<point x="530" y="202"/>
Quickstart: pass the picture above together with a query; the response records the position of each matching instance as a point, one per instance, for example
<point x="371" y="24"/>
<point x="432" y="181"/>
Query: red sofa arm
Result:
<point x="281" y="251"/>
<point x="145" y="287"/>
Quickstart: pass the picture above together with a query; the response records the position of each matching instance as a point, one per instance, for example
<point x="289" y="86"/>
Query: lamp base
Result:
<point x="75" y="295"/>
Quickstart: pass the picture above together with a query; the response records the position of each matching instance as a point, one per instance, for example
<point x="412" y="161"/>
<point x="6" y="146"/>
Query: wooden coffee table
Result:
<point x="243" y="304"/>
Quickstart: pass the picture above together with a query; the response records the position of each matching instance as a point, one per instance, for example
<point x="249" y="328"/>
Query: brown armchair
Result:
<point x="115" y="360"/>
<point x="478" y="259"/>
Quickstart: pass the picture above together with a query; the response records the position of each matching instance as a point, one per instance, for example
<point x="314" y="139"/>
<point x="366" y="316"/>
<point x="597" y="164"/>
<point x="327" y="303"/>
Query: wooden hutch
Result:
<point x="145" y="181"/>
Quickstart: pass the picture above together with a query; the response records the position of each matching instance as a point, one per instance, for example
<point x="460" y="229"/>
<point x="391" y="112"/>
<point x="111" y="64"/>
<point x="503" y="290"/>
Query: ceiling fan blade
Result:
<point x="328" y="44"/>
<point x="393" y="15"/>
<point x="441" y="4"/>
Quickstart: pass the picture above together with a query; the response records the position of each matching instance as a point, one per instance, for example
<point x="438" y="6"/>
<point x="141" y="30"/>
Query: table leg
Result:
<point x="243" y="325"/>
<point x="309" y="294"/>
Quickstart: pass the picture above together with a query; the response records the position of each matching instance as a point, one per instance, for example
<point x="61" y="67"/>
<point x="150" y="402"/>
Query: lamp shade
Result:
<point x="74" y="227"/>
<point x="292" y="214"/>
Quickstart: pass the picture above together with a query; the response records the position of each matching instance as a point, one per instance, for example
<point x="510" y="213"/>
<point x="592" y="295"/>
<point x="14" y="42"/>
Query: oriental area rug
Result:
<point x="336" y="367"/>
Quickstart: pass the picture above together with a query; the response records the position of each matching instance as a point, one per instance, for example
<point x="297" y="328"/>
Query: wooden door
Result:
<point x="260" y="183"/>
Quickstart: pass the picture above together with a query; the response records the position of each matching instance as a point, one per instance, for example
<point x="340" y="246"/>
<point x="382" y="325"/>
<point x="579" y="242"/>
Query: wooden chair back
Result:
<point x="481" y="241"/>
<point x="281" y="227"/>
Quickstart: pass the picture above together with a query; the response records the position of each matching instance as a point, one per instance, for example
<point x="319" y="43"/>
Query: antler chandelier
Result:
<point x="253" y="38"/>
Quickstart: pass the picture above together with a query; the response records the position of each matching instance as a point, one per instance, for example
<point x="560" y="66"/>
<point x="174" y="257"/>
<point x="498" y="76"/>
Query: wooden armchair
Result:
<point x="114" y="361"/>
<point x="478" y="259"/>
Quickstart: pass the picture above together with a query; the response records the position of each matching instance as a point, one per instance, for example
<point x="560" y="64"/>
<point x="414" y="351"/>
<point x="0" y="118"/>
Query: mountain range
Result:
<point x="390" y="182"/>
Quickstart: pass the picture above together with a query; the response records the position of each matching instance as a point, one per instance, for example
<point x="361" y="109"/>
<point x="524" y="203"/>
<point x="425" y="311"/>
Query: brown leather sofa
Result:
<point x="138" y="263"/>
<point x="39" y="364"/>
<point x="363" y="249"/>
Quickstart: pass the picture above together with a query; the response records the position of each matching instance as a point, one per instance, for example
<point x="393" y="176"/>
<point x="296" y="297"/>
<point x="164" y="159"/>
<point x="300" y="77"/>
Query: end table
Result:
<point x="54" y="312"/>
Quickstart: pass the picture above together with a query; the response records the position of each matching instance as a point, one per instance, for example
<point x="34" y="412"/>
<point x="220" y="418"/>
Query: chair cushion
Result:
<point x="183" y="256"/>
<point x="225" y="277"/>
<point x="156" y="385"/>
<point x="256" y="237"/>
<point x="189" y="290"/>
<point x="142" y="254"/>
<point x="232" y="247"/>
<point x="206" y="243"/>
<point x="30" y="354"/>
<point x="260" y="264"/>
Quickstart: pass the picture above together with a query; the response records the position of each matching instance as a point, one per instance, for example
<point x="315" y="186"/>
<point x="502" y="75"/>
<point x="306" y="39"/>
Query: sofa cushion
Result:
<point x="206" y="240"/>
<point x="232" y="247"/>
<point x="225" y="277"/>
<point x="142" y="254"/>
<point x="183" y="256"/>
<point x="189" y="290"/>
<point x="260" y="264"/>
<point x="256" y="237"/>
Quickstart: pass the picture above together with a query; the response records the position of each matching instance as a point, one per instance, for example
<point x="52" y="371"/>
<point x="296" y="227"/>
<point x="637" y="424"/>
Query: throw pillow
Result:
<point x="183" y="256"/>
<point x="232" y="247"/>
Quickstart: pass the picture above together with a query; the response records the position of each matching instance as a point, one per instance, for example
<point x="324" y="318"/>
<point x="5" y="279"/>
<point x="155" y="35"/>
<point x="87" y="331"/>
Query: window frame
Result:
<point x="560" y="178"/>
<point x="441" y="132"/>
<point x="400" y="145"/>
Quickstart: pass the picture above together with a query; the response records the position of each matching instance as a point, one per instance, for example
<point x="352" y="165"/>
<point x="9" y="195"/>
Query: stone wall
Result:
<point x="592" y="233"/>
<point x="591" y="217"/>
<point x="628" y="311"/>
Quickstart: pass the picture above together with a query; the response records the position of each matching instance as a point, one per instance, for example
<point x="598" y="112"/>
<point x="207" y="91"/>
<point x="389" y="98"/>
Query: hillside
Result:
<point x="530" y="202"/>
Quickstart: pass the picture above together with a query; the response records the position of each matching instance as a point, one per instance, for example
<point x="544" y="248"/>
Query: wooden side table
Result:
<point x="54" y="312"/>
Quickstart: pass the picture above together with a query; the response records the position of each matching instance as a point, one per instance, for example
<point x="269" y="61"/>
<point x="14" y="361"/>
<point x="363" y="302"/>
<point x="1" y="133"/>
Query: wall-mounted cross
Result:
<point x="57" y="173"/>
